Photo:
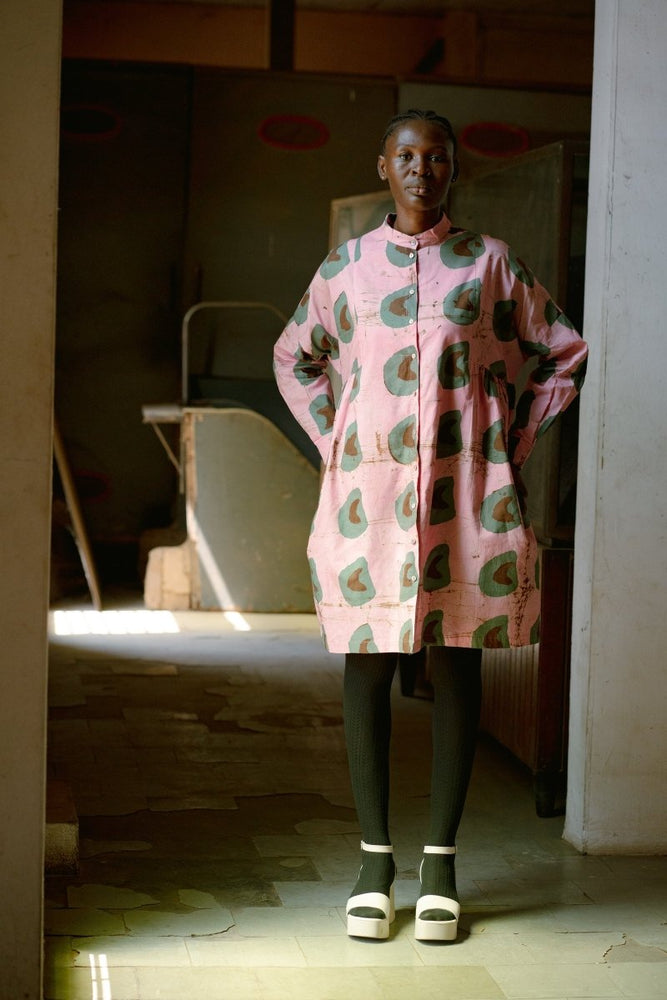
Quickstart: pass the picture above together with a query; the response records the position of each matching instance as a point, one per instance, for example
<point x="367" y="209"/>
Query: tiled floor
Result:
<point x="218" y="842"/>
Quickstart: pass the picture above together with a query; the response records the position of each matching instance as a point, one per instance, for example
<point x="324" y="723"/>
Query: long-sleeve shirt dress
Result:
<point x="401" y="363"/>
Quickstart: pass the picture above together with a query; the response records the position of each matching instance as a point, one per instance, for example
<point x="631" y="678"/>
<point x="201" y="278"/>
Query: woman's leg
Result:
<point x="457" y="687"/>
<point x="367" y="716"/>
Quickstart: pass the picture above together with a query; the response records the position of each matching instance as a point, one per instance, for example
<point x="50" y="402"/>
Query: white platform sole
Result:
<point x="376" y="928"/>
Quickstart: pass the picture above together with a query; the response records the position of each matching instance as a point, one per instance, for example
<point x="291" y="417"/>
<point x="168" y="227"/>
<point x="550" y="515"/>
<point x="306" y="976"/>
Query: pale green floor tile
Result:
<point x="83" y="920"/>
<point x="58" y="952"/>
<point x="197" y="984"/>
<point x="646" y="868"/>
<point x="614" y="889"/>
<point x="489" y="920"/>
<point x="625" y="917"/>
<point x="344" y="952"/>
<point x="455" y="982"/>
<point x="630" y="950"/>
<point x="477" y="949"/>
<point x="639" y="979"/>
<point x="480" y="867"/>
<point x="653" y="936"/>
<point x="247" y="952"/>
<point x="471" y="893"/>
<point x="327" y="894"/>
<point x="77" y="984"/>
<point x="575" y="867"/>
<point x="107" y="897"/>
<point x="554" y="982"/>
<point x="278" y="921"/>
<point x="570" y="948"/>
<point x="339" y="867"/>
<point x="319" y="984"/>
<point x="198" y="899"/>
<point x="522" y="892"/>
<point x="126" y="952"/>
<point x="162" y="923"/>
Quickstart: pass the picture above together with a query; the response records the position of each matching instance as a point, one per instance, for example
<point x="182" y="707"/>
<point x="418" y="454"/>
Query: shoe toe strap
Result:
<point x="438" y="903"/>
<point x="374" y="900"/>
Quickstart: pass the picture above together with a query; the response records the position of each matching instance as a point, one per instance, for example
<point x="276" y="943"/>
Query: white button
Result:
<point x="411" y="255"/>
<point x="412" y="291"/>
<point x="413" y="505"/>
<point x="414" y="243"/>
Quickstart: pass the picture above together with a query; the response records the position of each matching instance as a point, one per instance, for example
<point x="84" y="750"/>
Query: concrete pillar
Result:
<point x="617" y="795"/>
<point x="29" y="88"/>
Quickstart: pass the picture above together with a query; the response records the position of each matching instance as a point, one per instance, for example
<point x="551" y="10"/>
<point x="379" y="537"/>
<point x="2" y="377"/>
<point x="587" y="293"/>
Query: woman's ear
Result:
<point x="382" y="173"/>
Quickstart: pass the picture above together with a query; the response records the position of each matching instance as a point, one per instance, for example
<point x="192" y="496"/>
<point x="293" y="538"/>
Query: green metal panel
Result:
<point x="251" y="497"/>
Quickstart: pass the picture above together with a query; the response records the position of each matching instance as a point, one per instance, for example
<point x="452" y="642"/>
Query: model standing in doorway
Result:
<point x="419" y="539"/>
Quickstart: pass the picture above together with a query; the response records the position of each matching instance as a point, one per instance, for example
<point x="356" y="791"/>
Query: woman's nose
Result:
<point x="420" y="166"/>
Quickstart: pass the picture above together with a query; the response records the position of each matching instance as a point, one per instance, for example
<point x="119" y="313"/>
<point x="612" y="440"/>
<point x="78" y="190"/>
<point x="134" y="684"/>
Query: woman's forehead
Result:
<point x="418" y="132"/>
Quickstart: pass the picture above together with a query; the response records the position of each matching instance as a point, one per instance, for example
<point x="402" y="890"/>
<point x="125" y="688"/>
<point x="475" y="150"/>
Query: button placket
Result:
<point x="414" y="294"/>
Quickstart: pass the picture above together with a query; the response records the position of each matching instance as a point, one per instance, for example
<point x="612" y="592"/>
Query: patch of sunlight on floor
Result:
<point x="99" y="972"/>
<point x="131" y="622"/>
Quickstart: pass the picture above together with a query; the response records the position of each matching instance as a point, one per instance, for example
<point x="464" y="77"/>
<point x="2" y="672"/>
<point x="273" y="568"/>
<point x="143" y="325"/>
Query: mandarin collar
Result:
<point x="428" y="238"/>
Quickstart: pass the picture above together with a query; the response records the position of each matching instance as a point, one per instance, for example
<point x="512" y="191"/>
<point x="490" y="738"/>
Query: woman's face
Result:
<point x="418" y="162"/>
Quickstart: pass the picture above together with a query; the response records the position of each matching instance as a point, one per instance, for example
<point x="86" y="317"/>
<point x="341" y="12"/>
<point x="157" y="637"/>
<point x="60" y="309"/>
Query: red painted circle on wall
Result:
<point x="293" y="132"/>
<point x="494" y="139"/>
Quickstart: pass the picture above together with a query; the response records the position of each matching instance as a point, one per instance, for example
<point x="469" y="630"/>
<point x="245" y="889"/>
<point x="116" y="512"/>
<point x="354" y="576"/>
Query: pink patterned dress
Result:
<point x="401" y="363"/>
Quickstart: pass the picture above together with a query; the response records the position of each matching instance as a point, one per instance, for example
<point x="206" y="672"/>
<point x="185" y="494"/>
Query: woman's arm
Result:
<point x="301" y="360"/>
<point x="546" y="335"/>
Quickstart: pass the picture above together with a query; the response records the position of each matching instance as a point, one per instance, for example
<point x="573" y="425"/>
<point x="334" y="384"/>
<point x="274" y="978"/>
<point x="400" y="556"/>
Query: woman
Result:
<point x="420" y="539"/>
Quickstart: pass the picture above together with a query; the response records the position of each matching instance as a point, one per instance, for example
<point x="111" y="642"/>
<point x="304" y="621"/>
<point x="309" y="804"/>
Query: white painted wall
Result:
<point x="29" y="87"/>
<point x="617" y="796"/>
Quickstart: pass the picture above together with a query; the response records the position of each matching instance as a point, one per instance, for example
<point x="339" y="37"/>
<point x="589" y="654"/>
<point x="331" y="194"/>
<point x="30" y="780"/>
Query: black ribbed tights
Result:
<point x="455" y="674"/>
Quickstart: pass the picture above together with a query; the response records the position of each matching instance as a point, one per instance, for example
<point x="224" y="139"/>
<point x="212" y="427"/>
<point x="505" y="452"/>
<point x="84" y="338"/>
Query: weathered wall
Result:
<point x="29" y="83"/>
<point x="617" y="798"/>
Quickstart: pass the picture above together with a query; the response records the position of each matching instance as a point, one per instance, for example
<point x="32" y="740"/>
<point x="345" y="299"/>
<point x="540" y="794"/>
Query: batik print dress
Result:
<point x="401" y="362"/>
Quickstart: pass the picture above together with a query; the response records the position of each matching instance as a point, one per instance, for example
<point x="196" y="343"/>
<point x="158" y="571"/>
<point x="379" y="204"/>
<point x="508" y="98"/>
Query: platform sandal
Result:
<point x="431" y="924"/>
<point x="369" y="914"/>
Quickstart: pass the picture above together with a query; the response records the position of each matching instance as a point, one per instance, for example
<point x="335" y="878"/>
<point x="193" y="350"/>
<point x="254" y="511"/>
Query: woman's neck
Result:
<point x="412" y="223"/>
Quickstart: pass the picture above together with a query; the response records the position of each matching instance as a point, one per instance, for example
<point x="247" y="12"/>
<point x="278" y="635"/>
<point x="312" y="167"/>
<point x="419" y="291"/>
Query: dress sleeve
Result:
<point x="555" y="350"/>
<point x="302" y="358"/>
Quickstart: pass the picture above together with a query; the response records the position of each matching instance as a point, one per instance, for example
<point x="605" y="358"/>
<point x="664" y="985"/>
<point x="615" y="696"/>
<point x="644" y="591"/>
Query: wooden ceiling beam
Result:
<point x="281" y="20"/>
